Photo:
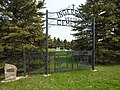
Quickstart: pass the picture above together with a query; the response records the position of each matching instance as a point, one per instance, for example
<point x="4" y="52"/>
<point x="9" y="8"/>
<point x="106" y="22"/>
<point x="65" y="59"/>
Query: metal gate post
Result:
<point x="93" y="52"/>
<point x="72" y="60"/>
<point x="24" y="58"/>
<point x="46" y="67"/>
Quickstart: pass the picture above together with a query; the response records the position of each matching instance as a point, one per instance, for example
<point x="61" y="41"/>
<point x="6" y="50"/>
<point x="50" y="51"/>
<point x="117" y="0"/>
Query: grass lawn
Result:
<point x="106" y="78"/>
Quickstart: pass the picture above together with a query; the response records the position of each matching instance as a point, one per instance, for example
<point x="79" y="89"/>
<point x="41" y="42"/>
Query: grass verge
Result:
<point x="106" y="78"/>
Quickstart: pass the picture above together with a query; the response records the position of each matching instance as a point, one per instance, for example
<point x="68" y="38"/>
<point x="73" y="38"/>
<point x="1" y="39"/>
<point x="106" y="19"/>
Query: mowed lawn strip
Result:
<point x="106" y="78"/>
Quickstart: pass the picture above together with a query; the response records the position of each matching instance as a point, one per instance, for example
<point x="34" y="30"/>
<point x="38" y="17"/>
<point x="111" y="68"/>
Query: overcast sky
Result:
<point x="55" y="6"/>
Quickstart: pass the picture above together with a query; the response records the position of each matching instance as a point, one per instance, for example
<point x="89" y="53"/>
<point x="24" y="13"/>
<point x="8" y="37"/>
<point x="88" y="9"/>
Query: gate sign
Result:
<point x="60" y="18"/>
<point x="67" y="12"/>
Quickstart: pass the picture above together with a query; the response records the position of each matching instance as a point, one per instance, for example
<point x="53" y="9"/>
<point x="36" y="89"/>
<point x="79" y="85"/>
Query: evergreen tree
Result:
<point x="23" y="28"/>
<point x="65" y="43"/>
<point x="110" y="42"/>
<point x="72" y="44"/>
<point x="50" y="42"/>
<point x="107" y="17"/>
<point x="83" y="28"/>
<point x="54" y="42"/>
<point x="58" y="42"/>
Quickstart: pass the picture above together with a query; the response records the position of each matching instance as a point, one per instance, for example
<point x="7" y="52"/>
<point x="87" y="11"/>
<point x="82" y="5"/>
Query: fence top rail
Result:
<point x="65" y="53"/>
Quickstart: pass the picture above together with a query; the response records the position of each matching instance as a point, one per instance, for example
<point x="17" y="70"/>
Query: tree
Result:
<point x="50" y="42"/>
<point x="107" y="28"/>
<point x="65" y="43"/>
<point x="54" y="42"/>
<point x="24" y="27"/>
<point x="72" y="44"/>
<point x="83" y="36"/>
<point x="58" y="42"/>
<point x="110" y="42"/>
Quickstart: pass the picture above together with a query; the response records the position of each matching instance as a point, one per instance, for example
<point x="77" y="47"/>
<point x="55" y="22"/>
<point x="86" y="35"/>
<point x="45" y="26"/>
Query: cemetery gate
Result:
<point x="65" y="60"/>
<point x="34" y="62"/>
<point x="69" y="60"/>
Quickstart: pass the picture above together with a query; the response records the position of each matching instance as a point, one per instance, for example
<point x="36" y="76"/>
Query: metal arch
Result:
<point x="93" y="54"/>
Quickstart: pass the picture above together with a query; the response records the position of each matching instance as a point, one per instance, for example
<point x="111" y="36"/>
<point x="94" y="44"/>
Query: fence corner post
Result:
<point x="24" y="58"/>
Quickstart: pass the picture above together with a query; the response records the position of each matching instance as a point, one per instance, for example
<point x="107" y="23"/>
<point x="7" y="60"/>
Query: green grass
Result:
<point x="106" y="78"/>
<point x="54" y="50"/>
<point x="51" y="49"/>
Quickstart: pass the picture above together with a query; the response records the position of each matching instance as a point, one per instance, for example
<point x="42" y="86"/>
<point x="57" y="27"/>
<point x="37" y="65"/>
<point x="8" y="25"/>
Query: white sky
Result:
<point x="62" y="32"/>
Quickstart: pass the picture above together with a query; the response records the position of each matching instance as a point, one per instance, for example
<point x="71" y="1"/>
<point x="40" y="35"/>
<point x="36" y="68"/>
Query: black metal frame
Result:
<point x="47" y="53"/>
<point x="93" y="50"/>
<point x="69" y="60"/>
